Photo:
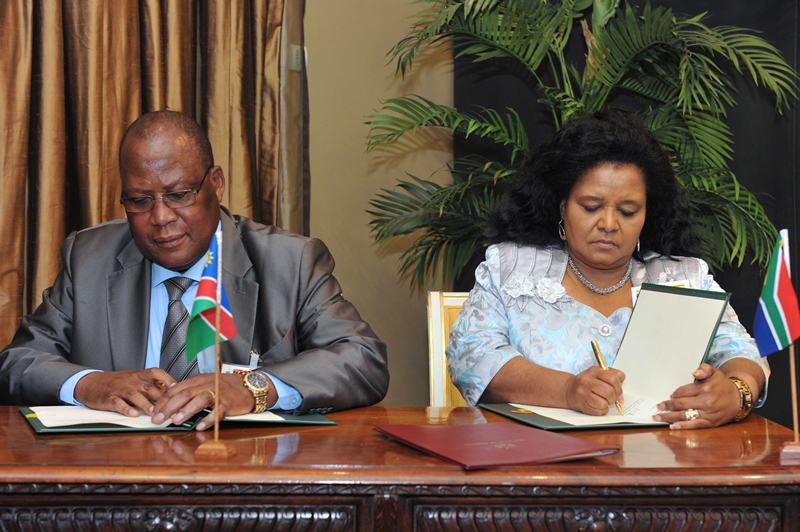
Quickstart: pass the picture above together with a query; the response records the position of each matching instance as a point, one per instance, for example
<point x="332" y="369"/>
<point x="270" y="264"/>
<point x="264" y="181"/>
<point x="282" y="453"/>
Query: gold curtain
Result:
<point x="76" y="73"/>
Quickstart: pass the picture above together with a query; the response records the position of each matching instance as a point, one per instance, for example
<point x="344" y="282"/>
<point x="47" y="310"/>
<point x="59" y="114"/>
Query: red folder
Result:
<point x="488" y="445"/>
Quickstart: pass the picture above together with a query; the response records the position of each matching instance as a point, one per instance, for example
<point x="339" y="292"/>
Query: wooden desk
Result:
<point x="349" y="477"/>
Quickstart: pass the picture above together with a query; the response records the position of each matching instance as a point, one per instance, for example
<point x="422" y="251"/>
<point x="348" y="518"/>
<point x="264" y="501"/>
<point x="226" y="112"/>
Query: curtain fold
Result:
<point x="179" y="38"/>
<point x="76" y="73"/>
<point x="104" y="87"/>
<point x="47" y="166"/>
<point x="224" y="103"/>
<point x="293" y="194"/>
<point x="267" y="29"/>
<point x="16" y="41"/>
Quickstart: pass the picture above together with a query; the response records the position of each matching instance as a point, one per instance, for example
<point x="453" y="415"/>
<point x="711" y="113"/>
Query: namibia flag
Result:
<point x="202" y="324"/>
<point x="777" y="323"/>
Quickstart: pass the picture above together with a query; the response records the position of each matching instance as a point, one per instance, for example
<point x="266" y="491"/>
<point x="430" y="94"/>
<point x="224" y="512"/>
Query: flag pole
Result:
<point x="790" y="452"/>
<point x="216" y="449"/>
<point x="793" y="372"/>
<point x="216" y="366"/>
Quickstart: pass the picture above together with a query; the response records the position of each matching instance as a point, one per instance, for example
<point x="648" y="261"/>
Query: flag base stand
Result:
<point x="790" y="453"/>
<point x="214" y="450"/>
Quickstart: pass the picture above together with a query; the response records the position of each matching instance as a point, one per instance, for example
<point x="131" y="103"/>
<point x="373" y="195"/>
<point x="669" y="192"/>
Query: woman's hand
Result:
<point x="714" y="396"/>
<point x="593" y="390"/>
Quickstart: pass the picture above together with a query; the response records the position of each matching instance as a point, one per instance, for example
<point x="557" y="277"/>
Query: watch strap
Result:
<point x="260" y="395"/>
<point x="746" y="395"/>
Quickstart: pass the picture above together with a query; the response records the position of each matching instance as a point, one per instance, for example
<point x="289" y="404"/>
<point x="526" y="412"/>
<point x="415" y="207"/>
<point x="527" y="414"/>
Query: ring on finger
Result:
<point x="213" y="396"/>
<point x="691" y="414"/>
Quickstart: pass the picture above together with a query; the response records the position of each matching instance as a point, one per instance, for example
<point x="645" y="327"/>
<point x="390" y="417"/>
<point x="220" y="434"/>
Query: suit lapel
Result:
<point x="129" y="309"/>
<point x="242" y="293"/>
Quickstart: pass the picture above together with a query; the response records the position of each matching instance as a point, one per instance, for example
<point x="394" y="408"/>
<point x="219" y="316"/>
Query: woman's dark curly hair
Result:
<point x="529" y="213"/>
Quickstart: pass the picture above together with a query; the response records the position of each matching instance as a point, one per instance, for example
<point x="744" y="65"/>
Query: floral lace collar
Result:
<point x="545" y="291"/>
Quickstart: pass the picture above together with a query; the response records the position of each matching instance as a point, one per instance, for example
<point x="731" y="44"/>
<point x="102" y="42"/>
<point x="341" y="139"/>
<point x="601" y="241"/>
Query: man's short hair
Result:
<point x="152" y="125"/>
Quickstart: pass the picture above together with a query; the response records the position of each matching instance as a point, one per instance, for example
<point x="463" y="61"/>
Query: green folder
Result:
<point x="189" y="424"/>
<point x="546" y="423"/>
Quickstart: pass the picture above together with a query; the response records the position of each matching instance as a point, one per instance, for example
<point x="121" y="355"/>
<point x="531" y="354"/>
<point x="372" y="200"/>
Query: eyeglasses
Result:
<point x="174" y="200"/>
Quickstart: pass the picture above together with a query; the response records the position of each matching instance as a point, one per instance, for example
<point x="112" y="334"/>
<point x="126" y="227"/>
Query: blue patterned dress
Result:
<point x="518" y="307"/>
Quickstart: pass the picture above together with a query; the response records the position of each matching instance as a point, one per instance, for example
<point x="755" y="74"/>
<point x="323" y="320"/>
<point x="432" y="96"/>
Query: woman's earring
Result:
<point x="561" y="231"/>
<point x="638" y="246"/>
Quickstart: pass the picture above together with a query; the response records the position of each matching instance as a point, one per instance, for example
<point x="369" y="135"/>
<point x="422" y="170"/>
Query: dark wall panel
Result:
<point x="765" y="158"/>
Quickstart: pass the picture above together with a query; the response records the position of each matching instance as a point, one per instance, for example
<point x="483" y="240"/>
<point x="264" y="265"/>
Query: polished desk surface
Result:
<point x="741" y="454"/>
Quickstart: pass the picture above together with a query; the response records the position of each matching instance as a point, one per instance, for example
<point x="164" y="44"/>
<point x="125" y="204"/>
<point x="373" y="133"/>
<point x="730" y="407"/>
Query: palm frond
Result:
<point x="475" y="25"/>
<point x="632" y="45"/>
<point x="401" y="212"/>
<point x="567" y="104"/>
<point x="407" y="114"/>
<point x="451" y="240"/>
<point x="477" y="7"/>
<point x="470" y="176"/>
<point x="698" y="138"/>
<point x="626" y="42"/>
<point x="522" y="30"/>
<point x="763" y="61"/>
<point x="658" y="88"/>
<point x="452" y="230"/>
<point x="426" y="31"/>
<point x="703" y="85"/>
<point x="730" y="217"/>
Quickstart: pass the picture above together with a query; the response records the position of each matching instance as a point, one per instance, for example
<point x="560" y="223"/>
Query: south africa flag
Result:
<point x="202" y="324"/>
<point x="777" y="322"/>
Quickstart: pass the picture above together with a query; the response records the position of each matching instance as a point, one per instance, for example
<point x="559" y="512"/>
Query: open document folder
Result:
<point x="66" y="418"/>
<point x="669" y="334"/>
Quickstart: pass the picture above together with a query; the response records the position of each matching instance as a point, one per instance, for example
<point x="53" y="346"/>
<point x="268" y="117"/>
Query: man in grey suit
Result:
<point x="99" y="336"/>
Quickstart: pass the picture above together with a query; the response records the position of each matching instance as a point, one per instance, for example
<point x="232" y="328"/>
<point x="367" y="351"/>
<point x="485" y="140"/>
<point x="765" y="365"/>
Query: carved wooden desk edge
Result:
<point x="404" y="489"/>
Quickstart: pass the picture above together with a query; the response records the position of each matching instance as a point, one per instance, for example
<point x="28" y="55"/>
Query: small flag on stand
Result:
<point x="211" y="323"/>
<point x="777" y="322"/>
<point x="202" y="324"/>
<point x="777" y="326"/>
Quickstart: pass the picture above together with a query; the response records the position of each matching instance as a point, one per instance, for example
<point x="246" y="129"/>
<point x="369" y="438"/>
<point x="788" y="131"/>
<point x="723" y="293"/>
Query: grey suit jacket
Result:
<point x="285" y="302"/>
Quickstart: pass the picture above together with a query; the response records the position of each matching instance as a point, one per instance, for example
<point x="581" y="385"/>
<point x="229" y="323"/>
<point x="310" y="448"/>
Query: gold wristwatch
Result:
<point x="746" y="395"/>
<point x="257" y="383"/>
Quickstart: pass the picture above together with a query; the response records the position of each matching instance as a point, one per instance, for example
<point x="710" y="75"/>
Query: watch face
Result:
<point x="257" y="380"/>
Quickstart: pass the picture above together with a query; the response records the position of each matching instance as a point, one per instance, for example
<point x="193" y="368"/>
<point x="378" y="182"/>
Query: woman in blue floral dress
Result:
<point x="596" y="211"/>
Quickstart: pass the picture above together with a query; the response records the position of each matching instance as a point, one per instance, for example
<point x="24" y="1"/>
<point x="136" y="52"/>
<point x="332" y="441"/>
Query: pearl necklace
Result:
<point x="593" y="288"/>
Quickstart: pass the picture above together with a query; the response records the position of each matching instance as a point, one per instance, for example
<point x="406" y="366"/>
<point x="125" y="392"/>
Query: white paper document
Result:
<point x="263" y="416"/>
<point x="634" y="410"/>
<point x="64" y="416"/>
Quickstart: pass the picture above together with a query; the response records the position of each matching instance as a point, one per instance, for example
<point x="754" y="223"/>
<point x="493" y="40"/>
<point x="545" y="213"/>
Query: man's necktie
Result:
<point x="173" y="343"/>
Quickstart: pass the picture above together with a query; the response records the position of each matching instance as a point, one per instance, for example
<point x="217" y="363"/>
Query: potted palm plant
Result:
<point x="668" y="69"/>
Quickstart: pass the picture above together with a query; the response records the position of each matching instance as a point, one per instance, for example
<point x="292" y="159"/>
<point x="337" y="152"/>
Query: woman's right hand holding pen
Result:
<point x="592" y="391"/>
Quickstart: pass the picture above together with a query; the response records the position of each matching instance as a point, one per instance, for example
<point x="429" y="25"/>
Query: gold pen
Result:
<point x="601" y="361"/>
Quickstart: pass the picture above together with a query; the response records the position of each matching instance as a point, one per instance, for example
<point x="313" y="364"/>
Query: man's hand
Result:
<point x="594" y="389"/>
<point x="189" y="397"/>
<point x="126" y="392"/>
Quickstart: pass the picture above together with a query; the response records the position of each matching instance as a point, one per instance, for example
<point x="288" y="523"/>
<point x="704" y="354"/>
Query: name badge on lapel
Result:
<point x="241" y="368"/>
